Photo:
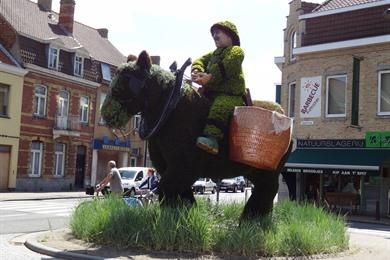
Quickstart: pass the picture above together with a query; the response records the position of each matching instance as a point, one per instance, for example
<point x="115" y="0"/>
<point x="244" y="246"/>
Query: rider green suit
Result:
<point x="226" y="86"/>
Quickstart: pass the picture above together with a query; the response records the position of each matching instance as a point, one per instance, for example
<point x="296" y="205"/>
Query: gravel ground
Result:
<point x="362" y="246"/>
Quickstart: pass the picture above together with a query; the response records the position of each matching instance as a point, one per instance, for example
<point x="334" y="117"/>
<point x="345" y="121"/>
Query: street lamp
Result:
<point x="386" y="14"/>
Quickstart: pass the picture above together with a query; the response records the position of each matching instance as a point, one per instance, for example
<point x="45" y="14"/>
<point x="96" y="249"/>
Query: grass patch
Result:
<point x="293" y="230"/>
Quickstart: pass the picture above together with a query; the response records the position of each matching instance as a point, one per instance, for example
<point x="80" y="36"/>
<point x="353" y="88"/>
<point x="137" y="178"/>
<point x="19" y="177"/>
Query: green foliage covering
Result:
<point x="231" y="58"/>
<point x="292" y="230"/>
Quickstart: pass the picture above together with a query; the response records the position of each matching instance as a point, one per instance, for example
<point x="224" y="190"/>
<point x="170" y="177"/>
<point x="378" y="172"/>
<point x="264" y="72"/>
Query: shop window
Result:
<point x="291" y="100"/>
<point x="84" y="107"/>
<point x="35" y="159"/>
<point x="336" y="96"/>
<point x="40" y="93"/>
<point x="384" y="93"/>
<point x="4" y="96"/>
<point x="59" y="159"/>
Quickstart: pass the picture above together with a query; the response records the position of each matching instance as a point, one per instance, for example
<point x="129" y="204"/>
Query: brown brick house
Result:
<point x="336" y="86"/>
<point x="67" y="63"/>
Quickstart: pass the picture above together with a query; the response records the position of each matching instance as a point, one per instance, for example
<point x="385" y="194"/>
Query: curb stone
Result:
<point x="32" y="244"/>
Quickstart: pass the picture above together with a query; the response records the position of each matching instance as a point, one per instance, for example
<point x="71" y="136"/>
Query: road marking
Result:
<point x="371" y="232"/>
<point x="13" y="215"/>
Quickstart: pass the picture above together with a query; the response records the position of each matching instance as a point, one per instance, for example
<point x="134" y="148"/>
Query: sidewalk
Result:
<point x="16" y="195"/>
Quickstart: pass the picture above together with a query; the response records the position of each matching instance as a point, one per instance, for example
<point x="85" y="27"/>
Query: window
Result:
<point x="384" y="93"/>
<point x="4" y="93"/>
<point x="293" y="44"/>
<point x="53" y="58"/>
<point x="84" y="107"/>
<point x="102" y="98"/>
<point x="133" y="161"/>
<point x="63" y="104"/>
<point x="40" y="100"/>
<point x="136" y="122"/>
<point x="106" y="72"/>
<point x="291" y="100"/>
<point x="335" y="96"/>
<point x="36" y="159"/>
<point x="78" y="65"/>
<point x="60" y="159"/>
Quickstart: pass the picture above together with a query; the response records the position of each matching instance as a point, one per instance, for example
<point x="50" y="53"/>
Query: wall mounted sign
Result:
<point x="330" y="143"/>
<point x="310" y="102"/>
<point x="378" y="139"/>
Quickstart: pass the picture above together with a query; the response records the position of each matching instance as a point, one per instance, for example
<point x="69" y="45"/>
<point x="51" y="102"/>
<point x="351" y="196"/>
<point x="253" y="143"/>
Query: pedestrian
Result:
<point x="221" y="77"/>
<point x="114" y="178"/>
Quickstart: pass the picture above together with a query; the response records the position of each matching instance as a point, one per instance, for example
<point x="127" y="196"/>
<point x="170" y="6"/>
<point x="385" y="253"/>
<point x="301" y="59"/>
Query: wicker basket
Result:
<point x="259" y="137"/>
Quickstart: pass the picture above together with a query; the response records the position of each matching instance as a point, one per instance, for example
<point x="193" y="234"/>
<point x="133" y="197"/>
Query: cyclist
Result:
<point x="151" y="183"/>
<point x="114" y="178"/>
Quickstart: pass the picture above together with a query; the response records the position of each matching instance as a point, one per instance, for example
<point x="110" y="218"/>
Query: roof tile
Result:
<point x="336" y="4"/>
<point x="29" y="20"/>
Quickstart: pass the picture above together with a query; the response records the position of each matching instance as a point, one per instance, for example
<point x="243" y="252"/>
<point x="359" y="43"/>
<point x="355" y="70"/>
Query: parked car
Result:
<point x="132" y="177"/>
<point x="233" y="184"/>
<point x="204" y="184"/>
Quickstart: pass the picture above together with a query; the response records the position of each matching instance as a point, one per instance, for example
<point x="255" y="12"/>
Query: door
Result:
<point x="4" y="166"/>
<point x="80" y="167"/>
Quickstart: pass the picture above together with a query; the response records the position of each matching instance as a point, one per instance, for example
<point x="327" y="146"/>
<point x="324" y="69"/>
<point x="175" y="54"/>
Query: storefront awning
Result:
<point x="337" y="161"/>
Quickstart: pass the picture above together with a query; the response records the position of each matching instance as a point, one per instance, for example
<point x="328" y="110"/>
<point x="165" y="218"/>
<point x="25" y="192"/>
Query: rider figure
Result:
<point x="222" y="79"/>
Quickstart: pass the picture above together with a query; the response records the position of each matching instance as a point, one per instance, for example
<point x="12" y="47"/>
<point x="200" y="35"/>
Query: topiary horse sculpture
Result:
<point x="142" y="87"/>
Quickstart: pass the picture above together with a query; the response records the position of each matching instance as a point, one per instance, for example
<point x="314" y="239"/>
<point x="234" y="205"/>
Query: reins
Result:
<point x="144" y="132"/>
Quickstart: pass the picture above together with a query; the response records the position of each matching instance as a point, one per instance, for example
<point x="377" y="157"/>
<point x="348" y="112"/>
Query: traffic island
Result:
<point x="210" y="229"/>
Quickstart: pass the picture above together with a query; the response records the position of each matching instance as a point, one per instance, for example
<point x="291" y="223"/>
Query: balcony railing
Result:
<point x="70" y="123"/>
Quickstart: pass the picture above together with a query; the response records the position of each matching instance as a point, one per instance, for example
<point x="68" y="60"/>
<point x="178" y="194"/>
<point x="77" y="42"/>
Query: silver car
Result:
<point x="204" y="184"/>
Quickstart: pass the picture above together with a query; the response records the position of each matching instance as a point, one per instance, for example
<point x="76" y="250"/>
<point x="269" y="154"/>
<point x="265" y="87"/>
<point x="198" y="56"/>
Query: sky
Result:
<point x="178" y="29"/>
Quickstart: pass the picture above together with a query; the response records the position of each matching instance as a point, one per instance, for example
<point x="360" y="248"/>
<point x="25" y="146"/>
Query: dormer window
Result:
<point x="54" y="54"/>
<point x="293" y="44"/>
<point x="106" y="72"/>
<point x="78" y="65"/>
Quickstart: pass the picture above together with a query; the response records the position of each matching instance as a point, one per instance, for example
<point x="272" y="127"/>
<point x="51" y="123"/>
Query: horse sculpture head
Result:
<point x="136" y="87"/>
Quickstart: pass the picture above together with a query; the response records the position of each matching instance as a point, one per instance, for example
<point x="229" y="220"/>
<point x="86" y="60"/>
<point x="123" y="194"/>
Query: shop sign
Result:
<point x="112" y="145"/>
<point x="310" y="97"/>
<point x="330" y="143"/>
<point x="378" y="139"/>
<point x="332" y="171"/>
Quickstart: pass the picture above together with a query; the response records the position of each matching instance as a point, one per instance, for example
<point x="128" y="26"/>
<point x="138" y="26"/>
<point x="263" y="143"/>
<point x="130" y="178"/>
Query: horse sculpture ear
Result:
<point x="144" y="61"/>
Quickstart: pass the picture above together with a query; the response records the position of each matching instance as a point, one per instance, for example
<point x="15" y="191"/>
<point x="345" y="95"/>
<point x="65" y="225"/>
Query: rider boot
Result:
<point x="209" y="144"/>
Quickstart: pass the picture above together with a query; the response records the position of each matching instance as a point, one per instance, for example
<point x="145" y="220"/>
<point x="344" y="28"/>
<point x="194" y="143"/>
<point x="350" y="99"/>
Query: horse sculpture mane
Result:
<point x="142" y="87"/>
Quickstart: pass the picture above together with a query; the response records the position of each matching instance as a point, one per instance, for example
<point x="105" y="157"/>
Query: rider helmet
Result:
<point x="229" y="28"/>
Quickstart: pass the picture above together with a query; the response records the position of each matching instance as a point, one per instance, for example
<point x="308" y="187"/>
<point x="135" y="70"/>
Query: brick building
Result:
<point x="67" y="63"/>
<point x="336" y="86"/>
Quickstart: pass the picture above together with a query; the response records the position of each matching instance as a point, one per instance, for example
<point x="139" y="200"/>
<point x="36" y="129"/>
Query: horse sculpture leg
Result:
<point x="266" y="186"/>
<point x="172" y="193"/>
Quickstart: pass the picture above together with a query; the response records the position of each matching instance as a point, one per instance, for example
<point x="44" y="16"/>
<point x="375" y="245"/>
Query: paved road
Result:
<point x="35" y="215"/>
<point x="18" y="218"/>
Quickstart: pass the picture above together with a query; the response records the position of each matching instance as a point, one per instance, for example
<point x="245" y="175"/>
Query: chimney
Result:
<point x="66" y="18"/>
<point x="45" y="5"/>
<point x="103" y="32"/>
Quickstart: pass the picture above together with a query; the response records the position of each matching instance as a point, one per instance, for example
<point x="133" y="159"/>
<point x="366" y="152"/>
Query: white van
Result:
<point x="132" y="177"/>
